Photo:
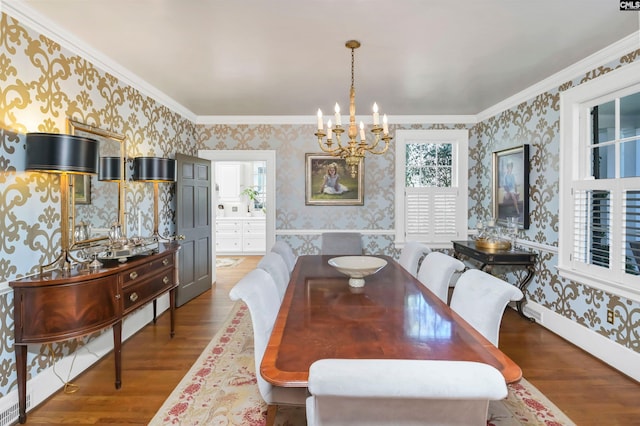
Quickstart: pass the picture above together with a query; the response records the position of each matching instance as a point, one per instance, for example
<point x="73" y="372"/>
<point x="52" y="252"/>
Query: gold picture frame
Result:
<point x="343" y="191"/>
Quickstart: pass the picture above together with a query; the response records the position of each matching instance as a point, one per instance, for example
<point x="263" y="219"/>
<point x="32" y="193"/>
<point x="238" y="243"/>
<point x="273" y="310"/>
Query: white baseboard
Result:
<point x="45" y="384"/>
<point x="623" y="359"/>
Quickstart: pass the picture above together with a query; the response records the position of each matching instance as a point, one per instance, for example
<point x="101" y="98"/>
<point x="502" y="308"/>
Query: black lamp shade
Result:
<point x="110" y="168"/>
<point x="53" y="152"/>
<point x="154" y="169"/>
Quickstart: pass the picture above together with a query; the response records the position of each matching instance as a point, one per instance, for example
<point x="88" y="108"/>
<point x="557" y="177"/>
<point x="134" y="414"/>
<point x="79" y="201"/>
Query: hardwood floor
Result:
<point x="587" y="390"/>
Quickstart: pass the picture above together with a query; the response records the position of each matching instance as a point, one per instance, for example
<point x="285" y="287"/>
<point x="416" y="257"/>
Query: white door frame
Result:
<point x="249" y="155"/>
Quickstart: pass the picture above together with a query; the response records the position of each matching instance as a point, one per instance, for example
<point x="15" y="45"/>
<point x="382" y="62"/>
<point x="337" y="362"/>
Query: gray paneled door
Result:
<point x="194" y="230"/>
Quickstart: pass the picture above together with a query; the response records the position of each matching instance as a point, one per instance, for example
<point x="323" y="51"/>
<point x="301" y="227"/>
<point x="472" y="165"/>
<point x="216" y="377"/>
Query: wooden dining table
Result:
<point x="392" y="316"/>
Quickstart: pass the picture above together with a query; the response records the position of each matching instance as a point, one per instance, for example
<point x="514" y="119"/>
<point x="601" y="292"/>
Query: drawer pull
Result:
<point x="165" y="262"/>
<point x="133" y="296"/>
<point x="133" y="275"/>
<point x="117" y="296"/>
<point x="165" y="279"/>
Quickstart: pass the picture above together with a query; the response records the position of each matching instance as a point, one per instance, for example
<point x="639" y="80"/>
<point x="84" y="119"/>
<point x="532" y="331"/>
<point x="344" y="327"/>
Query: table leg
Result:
<point x="155" y="307"/>
<point x="523" y="286"/>
<point x="21" y="367"/>
<point x="117" y="352"/>
<point x="172" y="310"/>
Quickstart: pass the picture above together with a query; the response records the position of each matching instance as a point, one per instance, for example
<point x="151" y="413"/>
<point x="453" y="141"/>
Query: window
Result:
<point x="431" y="186"/>
<point x="259" y="171"/>
<point x="600" y="183"/>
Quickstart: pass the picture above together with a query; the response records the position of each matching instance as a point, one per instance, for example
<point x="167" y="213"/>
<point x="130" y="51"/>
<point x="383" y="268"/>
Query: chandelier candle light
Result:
<point x="353" y="151"/>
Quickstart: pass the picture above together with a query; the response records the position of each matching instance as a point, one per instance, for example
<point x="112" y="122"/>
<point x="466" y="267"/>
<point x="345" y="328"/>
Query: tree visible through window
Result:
<point x="428" y="164"/>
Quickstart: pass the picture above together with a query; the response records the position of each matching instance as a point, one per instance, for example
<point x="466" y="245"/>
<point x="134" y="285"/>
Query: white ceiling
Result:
<point x="287" y="57"/>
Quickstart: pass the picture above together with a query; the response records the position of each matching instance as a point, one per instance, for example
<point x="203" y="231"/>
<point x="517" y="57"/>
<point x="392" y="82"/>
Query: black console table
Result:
<point x="490" y="258"/>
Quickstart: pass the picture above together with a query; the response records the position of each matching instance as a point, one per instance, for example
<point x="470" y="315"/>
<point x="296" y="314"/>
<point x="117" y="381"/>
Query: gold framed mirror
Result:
<point x="102" y="202"/>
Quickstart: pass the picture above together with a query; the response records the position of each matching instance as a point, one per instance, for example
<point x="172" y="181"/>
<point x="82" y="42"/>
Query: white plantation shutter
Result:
<point x="599" y="200"/>
<point x="430" y="214"/>
<point x="592" y="227"/>
<point x="431" y="208"/>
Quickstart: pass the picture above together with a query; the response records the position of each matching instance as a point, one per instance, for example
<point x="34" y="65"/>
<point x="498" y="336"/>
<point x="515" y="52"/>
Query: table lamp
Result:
<point x="64" y="154"/>
<point x="156" y="170"/>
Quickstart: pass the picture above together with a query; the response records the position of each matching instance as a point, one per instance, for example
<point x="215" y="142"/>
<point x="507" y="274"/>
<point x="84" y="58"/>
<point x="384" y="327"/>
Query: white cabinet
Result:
<point x="228" y="236"/>
<point x="240" y="236"/>
<point x="228" y="178"/>
<point x="254" y="237"/>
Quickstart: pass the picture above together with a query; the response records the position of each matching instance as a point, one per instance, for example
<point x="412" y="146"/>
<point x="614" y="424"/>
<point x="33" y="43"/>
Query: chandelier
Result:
<point x="353" y="151"/>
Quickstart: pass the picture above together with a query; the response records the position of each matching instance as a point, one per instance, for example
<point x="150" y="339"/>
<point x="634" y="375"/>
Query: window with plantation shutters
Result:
<point x="431" y="186"/>
<point x="600" y="183"/>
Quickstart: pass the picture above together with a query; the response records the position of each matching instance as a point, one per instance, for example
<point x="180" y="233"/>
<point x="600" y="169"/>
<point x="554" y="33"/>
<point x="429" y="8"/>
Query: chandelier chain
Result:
<point x="353" y="62"/>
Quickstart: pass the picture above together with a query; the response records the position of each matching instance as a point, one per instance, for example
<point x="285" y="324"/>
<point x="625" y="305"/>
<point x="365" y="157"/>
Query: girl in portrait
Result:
<point x="331" y="182"/>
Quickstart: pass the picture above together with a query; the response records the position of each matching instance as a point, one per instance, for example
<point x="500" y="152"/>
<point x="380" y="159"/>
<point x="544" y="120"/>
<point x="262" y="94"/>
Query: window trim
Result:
<point x="460" y="177"/>
<point x="574" y="124"/>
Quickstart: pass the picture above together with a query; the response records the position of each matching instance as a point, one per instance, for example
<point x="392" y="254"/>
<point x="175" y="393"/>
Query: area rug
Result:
<point x="228" y="262"/>
<point x="221" y="389"/>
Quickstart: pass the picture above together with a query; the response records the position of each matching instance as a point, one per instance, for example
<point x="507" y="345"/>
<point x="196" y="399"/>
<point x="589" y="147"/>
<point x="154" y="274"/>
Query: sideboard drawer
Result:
<point x="140" y="272"/>
<point x="136" y="295"/>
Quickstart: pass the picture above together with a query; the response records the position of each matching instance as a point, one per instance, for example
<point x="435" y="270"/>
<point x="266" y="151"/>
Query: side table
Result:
<point x="490" y="258"/>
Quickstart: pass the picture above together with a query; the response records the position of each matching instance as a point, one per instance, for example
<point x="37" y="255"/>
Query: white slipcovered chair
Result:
<point x="480" y="298"/>
<point x="273" y="263"/>
<point x="342" y="243"/>
<point x="436" y="271"/>
<point x="257" y="290"/>
<point x="359" y="392"/>
<point x="411" y="254"/>
<point x="284" y="250"/>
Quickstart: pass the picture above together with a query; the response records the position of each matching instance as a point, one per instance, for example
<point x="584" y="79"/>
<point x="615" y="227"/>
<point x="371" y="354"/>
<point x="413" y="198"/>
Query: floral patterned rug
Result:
<point x="220" y="389"/>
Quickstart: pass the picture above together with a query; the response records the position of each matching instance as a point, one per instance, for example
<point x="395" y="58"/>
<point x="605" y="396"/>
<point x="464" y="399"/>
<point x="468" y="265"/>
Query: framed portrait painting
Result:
<point x="329" y="182"/>
<point x="511" y="185"/>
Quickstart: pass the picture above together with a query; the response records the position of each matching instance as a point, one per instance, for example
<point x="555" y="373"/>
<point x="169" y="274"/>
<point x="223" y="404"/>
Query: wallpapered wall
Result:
<point x="42" y="84"/>
<point x="537" y="122"/>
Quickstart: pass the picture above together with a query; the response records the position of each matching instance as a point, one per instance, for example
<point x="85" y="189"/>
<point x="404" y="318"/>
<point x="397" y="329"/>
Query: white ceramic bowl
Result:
<point x="357" y="267"/>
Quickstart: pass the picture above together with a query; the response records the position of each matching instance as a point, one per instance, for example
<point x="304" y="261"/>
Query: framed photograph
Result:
<point x="82" y="189"/>
<point x="329" y="182"/>
<point x="511" y="185"/>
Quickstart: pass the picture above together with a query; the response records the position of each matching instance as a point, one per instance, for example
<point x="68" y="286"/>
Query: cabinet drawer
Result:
<point x="254" y="226"/>
<point x="228" y="227"/>
<point x="138" y="294"/>
<point x="254" y="244"/>
<point x="140" y="272"/>
<point x="228" y="244"/>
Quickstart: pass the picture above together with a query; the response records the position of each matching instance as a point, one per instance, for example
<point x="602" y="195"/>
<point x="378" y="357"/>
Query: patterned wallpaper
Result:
<point x="42" y="84"/>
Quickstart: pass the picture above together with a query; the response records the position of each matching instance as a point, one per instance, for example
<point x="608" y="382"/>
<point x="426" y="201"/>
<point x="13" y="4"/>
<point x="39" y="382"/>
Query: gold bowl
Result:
<point x="484" y="243"/>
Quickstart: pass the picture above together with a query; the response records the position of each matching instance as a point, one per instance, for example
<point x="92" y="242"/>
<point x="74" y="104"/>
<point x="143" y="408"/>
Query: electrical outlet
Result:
<point x="610" y="316"/>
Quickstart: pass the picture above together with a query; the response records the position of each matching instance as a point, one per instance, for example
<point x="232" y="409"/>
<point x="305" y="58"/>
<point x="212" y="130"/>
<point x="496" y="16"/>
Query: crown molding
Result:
<point x="608" y="54"/>
<point x="312" y="119"/>
<point x="35" y="20"/>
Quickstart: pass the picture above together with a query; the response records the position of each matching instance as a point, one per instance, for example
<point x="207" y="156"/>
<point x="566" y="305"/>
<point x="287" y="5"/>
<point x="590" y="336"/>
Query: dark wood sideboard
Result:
<point x="60" y="305"/>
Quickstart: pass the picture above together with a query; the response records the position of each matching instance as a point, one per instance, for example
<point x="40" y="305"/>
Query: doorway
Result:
<point x="266" y="156"/>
